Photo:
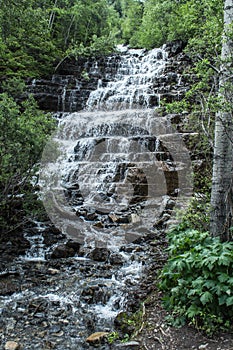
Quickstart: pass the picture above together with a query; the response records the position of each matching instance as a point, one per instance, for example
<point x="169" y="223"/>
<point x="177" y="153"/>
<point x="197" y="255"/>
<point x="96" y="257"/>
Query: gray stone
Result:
<point x="135" y="218"/>
<point x="116" y="259"/>
<point x="131" y="345"/>
<point x="11" y="345"/>
<point x="99" y="254"/>
<point x="62" y="251"/>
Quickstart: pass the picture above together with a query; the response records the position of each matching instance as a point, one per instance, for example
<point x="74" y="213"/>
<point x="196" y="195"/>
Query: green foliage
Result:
<point x="153" y="31"/>
<point x="35" y="36"/>
<point x="131" y="13"/>
<point x="23" y="132"/>
<point x="29" y="49"/>
<point x="197" y="23"/>
<point x="197" y="280"/>
<point x="99" y="46"/>
<point x="77" y="21"/>
<point x="14" y="87"/>
<point x="196" y="216"/>
<point x="112" y="337"/>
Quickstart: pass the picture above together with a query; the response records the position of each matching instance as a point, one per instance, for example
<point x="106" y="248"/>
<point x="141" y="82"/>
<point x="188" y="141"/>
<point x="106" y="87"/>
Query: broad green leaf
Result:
<point x="206" y="297"/>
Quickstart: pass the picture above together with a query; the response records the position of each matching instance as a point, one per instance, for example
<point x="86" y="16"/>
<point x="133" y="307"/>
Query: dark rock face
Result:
<point x="12" y="245"/>
<point x="9" y="283"/>
<point x="69" y="88"/>
<point x="175" y="47"/>
<point x="66" y="250"/>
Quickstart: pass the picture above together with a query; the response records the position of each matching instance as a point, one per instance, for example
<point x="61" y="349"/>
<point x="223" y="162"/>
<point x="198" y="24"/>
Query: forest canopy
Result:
<point x="36" y="35"/>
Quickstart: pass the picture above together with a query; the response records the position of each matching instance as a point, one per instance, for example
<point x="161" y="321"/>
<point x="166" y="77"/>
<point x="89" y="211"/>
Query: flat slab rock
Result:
<point x="131" y="345"/>
<point x="96" y="337"/>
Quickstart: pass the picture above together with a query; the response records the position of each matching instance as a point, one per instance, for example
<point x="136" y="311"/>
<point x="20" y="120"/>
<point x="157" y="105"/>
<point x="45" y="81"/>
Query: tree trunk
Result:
<point x="222" y="195"/>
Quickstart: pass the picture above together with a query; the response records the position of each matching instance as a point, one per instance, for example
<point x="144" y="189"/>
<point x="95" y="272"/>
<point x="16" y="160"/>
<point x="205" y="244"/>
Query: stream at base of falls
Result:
<point x="57" y="303"/>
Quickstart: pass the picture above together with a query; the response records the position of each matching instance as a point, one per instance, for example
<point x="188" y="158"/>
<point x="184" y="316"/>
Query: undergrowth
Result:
<point x="197" y="280"/>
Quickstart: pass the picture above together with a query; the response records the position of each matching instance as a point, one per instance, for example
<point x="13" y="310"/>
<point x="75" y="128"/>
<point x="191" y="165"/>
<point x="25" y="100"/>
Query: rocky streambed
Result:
<point x="56" y="295"/>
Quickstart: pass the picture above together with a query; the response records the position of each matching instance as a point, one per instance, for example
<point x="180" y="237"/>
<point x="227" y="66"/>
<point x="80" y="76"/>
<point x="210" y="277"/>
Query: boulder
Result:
<point x="113" y="217"/>
<point x="116" y="259"/>
<point x="98" y="224"/>
<point x="99" y="254"/>
<point x="62" y="251"/>
<point x="74" y="245"/>
<point x="51" y="235"/>
<point x="135" y="218"/>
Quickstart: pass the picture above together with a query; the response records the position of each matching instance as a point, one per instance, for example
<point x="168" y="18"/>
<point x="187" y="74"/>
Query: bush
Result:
<point x="24" y="130"/>
<point x="197" y="280"/>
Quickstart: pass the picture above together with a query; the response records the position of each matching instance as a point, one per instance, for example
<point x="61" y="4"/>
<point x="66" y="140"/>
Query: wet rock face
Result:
<point x="99" y="254"/>
<point x="70" y="87"/>
<point x="12" y="245"/>
<point x="65" y="251"/>
<point x="9" y="283"/>
<point x="60" y="303"/>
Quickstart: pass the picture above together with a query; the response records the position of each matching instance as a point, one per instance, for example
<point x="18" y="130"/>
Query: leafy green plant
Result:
<point x="112" y="337"/>
<point x="126" y="338"/>
<point x="196" y="216"/>
<point x="130" y="324"/>
<point x="197" y="280"/>
<point x="99" y="46"/>
<point x="24" y="130"/>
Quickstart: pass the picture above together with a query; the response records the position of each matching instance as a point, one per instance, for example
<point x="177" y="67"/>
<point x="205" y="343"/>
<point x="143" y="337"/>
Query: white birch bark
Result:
<point x="221" y="195"/>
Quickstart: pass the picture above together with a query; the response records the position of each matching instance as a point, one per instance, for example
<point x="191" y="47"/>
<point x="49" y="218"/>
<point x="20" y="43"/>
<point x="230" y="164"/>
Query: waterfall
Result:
<point x="133" y="83"/>
<point x="110" y="175"/>
<point x="108" y="168"/>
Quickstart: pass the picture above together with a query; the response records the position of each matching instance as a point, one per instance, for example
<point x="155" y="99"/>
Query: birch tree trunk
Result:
<point x="222" y="195"/>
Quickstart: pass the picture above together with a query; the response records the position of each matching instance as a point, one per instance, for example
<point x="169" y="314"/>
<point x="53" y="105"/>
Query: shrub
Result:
<point x="24" y="130"/>
<point x="197" y="280"/>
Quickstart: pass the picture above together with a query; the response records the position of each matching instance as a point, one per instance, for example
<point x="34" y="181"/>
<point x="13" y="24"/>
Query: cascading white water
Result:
<point x="110" y="166"/>
<point x="37" y="249"/>
<point x="111" y="162"/>
<point x="132" y="86"/>
<point x="106" y="176"/>
<point x="108" y="171"/>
